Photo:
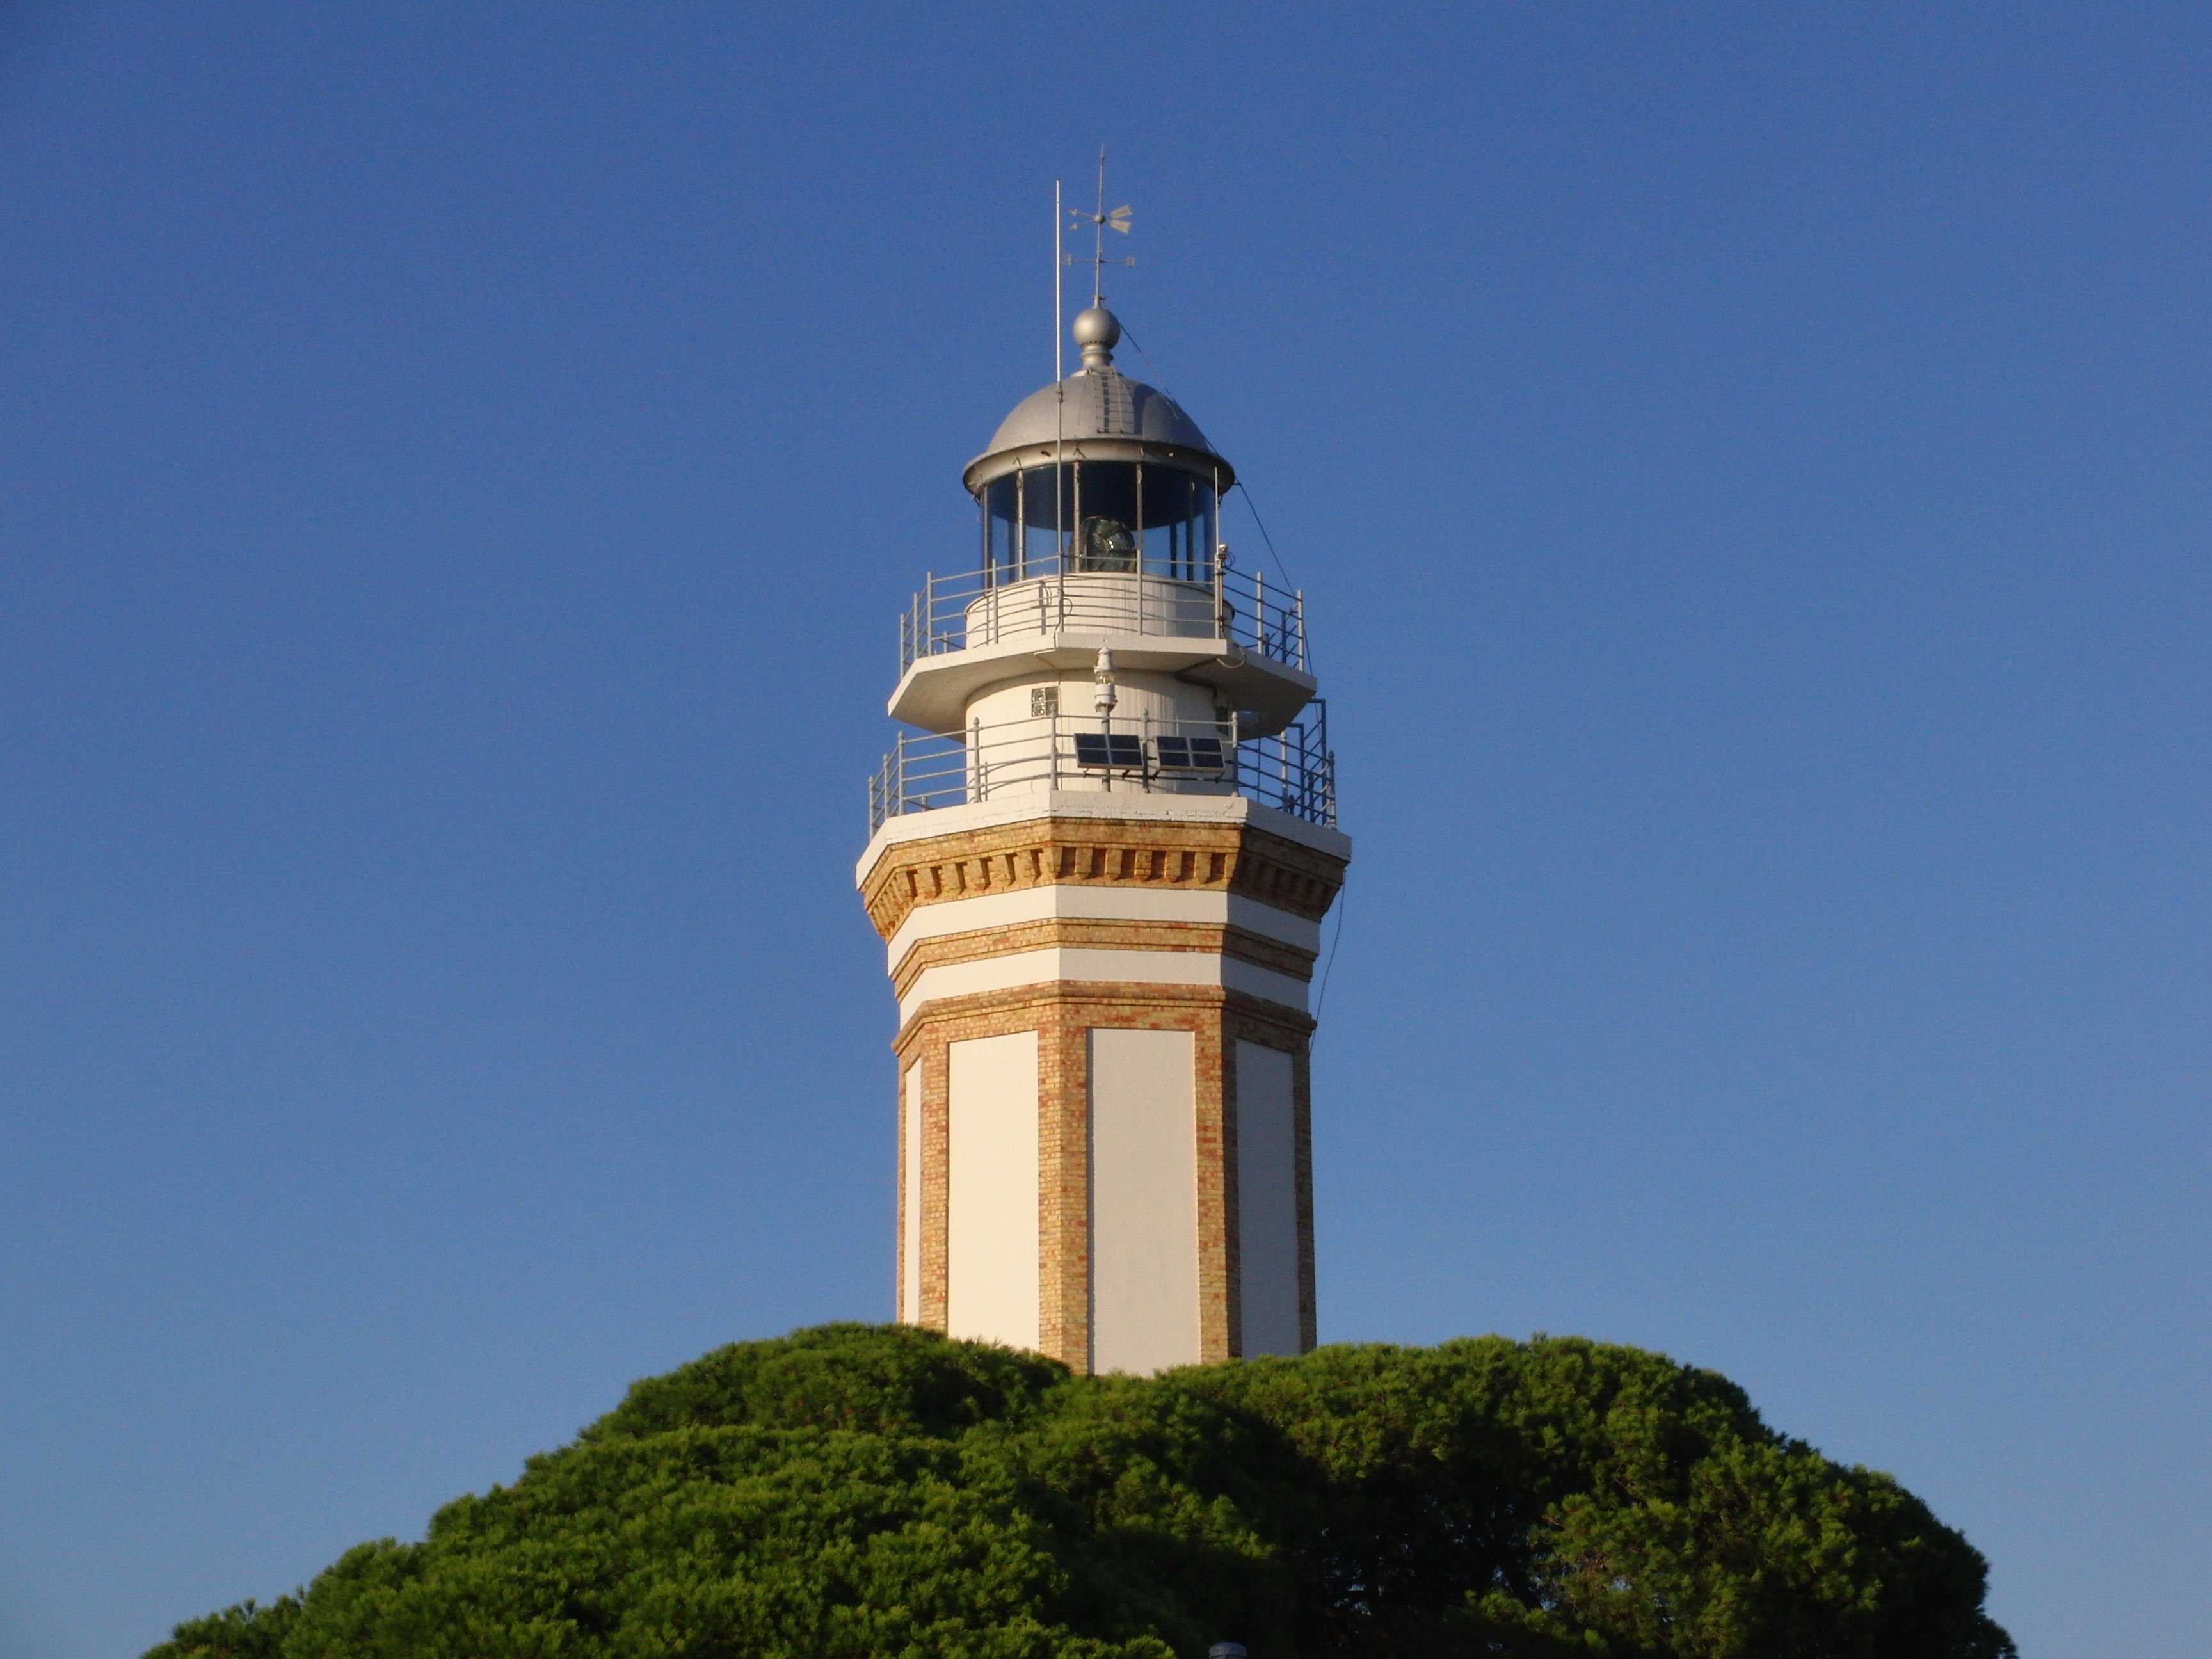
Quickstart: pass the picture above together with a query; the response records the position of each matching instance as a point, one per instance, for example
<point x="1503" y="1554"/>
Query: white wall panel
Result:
<point x="910" y="1197"/>
<point x="1267" y="1199"/>
<point x="1022" y="904"/>
<point x="991" y="1223"/>
<point x="1144" y="1201"/>
<point x="961" y="979"/>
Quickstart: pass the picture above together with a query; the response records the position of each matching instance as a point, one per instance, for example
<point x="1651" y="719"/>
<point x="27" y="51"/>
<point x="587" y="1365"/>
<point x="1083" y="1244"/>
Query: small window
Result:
<point x="1043" y="699"/>
<point x="1106" y="751"/>
<point x="1190" y="754"/>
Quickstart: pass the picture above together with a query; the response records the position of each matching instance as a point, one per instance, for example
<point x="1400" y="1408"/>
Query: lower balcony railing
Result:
<point x="1292" y="771"/>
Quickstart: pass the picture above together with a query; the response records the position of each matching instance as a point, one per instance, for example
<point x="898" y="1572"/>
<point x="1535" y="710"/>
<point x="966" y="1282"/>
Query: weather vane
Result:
<point x="1100" y="222"/>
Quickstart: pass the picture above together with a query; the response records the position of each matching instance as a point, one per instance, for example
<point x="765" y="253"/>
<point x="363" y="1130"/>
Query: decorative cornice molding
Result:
<point x="1230" y="858"/>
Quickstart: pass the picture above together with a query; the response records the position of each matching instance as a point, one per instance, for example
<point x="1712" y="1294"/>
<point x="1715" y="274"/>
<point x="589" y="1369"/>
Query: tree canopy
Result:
<point x="854" y="1490"/>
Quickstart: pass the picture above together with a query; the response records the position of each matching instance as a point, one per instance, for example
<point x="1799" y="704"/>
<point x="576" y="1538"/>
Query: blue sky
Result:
<point x="459" y="469"/>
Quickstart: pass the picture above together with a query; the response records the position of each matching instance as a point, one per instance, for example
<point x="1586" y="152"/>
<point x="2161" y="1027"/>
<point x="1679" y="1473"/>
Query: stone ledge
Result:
<point x="1225" y="856"/>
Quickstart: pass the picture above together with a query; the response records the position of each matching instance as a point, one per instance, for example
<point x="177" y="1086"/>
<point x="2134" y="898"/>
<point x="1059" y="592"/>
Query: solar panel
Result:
<point x="1109" y="752"/>
<point x="1190" y="754"/>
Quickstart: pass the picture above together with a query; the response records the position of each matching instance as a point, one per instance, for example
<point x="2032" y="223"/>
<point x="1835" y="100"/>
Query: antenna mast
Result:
<point x="1059" y="306"/>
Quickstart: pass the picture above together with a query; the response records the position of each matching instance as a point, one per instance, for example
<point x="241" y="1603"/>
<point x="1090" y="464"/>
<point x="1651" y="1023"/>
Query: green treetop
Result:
<point x="858" y="1491"/>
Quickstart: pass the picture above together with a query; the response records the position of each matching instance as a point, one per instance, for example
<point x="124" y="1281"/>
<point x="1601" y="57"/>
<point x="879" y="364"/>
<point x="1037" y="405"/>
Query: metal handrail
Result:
<point x="1056" y="595"/>
<point x="1292" y="771"/>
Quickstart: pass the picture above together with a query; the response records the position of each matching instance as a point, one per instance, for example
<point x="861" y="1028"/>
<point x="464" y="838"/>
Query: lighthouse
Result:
<point x="1099" y="864"/>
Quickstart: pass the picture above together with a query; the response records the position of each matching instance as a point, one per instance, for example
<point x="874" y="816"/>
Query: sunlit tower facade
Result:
<point x="1100" y="872"/>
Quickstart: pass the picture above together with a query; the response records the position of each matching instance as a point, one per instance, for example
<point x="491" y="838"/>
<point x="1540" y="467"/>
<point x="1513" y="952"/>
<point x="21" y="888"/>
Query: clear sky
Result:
<point x="461" y="465"/>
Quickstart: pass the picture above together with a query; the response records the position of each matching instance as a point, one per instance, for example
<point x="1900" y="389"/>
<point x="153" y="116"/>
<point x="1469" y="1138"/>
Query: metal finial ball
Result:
<point x="1097" y="326"/>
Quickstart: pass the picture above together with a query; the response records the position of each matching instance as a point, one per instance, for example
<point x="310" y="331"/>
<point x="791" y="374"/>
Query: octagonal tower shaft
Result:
<point x="1100" y="875"/>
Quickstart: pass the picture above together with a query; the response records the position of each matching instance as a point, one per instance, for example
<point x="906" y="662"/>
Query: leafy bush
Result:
<point x="857" y="1491"/>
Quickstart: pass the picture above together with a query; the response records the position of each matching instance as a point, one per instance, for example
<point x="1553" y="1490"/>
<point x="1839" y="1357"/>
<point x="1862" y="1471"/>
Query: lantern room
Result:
<point x="1104" y="639"/>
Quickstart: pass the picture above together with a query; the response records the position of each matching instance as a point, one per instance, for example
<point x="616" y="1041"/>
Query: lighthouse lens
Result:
<point x="1107" y="501"/>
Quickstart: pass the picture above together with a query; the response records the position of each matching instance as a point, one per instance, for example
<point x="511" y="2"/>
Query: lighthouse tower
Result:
<point x="1101" y="874"/>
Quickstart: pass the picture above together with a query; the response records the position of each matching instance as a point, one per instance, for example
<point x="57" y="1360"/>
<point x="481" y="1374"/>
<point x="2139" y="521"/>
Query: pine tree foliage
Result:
<point x="857" y="1491"/>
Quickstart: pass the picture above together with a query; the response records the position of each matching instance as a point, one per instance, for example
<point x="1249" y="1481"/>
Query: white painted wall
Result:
<point x="1096" y="963"/>
<point x="910" y="1198"/>
<point x="1144" y="1202"/>
<point x="991" y="1223"/>
<point x="1138" y="696"/>
<point x="1016" y="758"/>
<point x="1267" y="1199"/>
<point x="1021" y="904"/>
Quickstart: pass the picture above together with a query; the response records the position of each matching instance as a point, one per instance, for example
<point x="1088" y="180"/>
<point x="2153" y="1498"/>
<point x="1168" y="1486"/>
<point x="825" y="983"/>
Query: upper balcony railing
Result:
<point x="1062" y="594"/>
<point x="1292" y="771"/>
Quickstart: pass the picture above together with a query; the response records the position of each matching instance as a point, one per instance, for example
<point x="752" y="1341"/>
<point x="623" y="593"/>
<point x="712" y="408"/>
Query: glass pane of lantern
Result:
<point x="1106" y="536"/>
<point x="1001" y="530"/>
<point x="1047" y="501"/>
<point x="1170" y="530"/>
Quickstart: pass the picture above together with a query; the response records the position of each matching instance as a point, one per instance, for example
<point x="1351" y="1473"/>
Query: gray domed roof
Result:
<point x="1100" y="403"/>
<point x="1102" y="414"/>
